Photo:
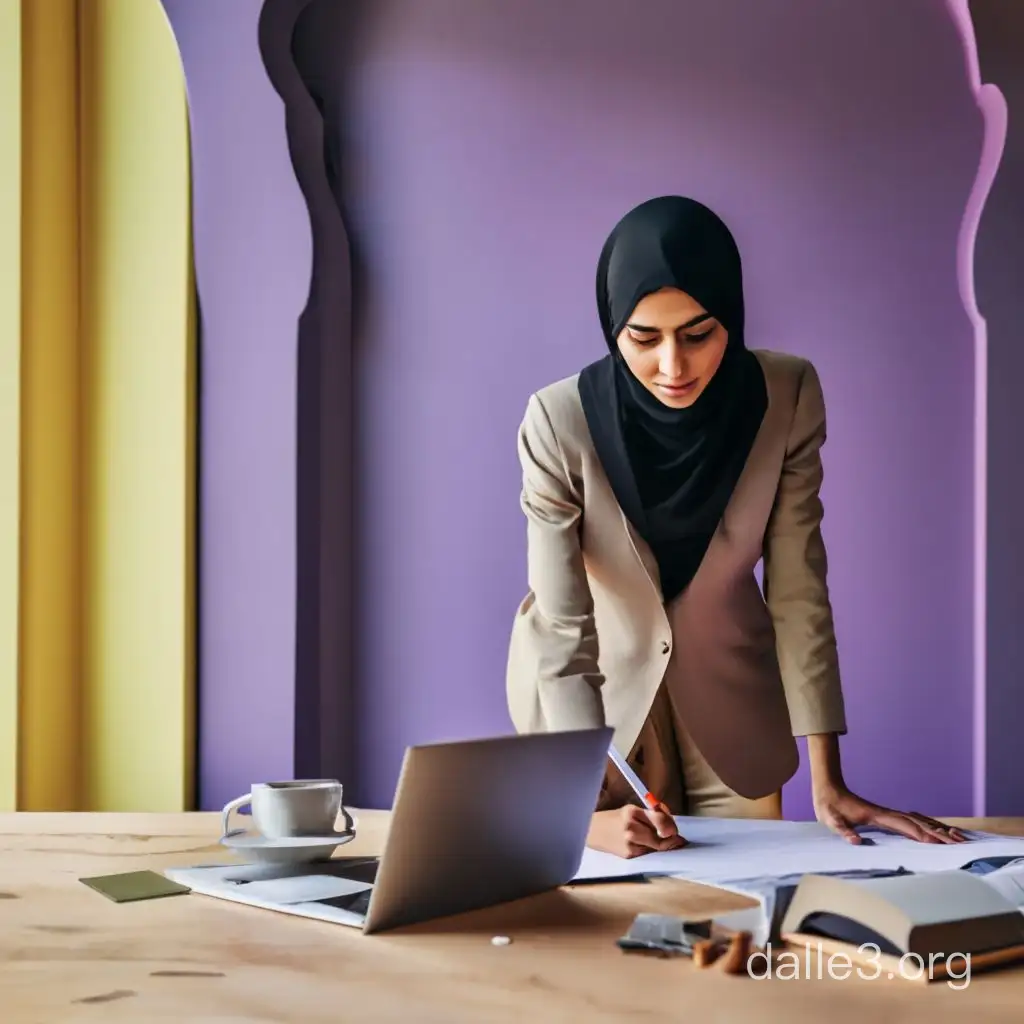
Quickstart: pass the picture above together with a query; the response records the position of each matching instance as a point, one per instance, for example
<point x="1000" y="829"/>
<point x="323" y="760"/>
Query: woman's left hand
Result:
<point x="843" y="811"/>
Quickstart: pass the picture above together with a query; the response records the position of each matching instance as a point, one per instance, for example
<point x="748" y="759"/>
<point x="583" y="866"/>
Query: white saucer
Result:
<point x="286" y="850"/>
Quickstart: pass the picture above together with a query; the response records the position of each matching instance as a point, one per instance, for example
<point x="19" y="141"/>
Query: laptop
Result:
<point x="475" y="823"/>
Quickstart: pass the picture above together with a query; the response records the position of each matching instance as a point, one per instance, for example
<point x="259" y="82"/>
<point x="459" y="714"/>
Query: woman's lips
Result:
<point x="678" y="390"/>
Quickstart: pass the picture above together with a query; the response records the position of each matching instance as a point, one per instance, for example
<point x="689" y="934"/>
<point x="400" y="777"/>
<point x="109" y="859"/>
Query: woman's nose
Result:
<point x="672" y="363"/>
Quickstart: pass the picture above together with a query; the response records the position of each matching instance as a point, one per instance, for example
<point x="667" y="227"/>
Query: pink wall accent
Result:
<point x="992" y="105"/>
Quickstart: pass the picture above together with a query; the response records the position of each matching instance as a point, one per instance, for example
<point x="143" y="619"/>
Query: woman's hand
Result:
<point x="842" y="811"/>
<point x="631" y="831"/>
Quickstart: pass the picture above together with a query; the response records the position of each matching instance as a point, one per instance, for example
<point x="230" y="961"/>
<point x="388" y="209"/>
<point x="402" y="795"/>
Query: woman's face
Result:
<point x="673" y="346"/>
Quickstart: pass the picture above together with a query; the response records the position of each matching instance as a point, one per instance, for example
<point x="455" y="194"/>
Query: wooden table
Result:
<point x="68" y="955"/>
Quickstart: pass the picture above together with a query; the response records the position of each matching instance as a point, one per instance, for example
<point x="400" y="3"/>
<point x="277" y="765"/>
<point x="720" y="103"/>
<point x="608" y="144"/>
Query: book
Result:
<point x="774" y="895"/>
<point x="932" y="917"/>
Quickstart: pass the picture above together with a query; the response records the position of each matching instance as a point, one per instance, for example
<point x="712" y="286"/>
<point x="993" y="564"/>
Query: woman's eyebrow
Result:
<point x="700" y="318"/>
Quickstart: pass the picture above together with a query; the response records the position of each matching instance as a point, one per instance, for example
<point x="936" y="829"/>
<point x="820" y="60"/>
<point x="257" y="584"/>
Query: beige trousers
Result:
<point x="673" y="769"/>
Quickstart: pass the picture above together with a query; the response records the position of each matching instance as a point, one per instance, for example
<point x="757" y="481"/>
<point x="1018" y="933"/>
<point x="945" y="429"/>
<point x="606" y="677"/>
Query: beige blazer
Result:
<point x="592" y="639"/>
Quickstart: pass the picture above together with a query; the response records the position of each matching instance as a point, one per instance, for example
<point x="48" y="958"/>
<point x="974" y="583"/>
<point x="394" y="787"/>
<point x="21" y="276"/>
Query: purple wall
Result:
<point x="324" y="420"/>
<point x="480" y="158"/>
<point x="253" y="264"/>
<point x="484" y="156"/>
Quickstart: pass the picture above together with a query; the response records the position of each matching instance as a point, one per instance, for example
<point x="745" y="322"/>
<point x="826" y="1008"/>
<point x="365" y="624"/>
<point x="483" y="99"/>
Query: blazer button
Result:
<point x="665" y="647"/>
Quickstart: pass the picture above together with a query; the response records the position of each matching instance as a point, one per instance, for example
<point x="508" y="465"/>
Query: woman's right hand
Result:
<point x="632" y="831"/>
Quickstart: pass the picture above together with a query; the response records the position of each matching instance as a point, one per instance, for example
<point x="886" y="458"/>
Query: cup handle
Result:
<point x="349" y="823"/>
<point x="234" y="805"/>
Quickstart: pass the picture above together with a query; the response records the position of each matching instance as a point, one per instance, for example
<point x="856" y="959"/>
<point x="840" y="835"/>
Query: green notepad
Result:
<point x="134" y="885"/>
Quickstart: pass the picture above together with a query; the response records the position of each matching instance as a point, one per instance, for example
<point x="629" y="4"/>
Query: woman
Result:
<point x="654" y="481"/>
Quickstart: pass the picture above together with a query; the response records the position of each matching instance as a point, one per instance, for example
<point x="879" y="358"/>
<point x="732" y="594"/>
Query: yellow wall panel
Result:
<point x="97" y="410"/>
<point x="10" y="388"/>
<point x="51" y="678"/>
<point x="138" y="336"/>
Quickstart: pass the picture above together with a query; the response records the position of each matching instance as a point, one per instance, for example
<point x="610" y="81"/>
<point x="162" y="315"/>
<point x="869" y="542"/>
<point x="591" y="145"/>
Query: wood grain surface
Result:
<point x="68" y="955"/>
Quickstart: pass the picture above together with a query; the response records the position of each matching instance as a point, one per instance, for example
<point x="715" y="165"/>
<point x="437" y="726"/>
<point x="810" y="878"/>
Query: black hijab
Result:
<point x="673" y="470"/>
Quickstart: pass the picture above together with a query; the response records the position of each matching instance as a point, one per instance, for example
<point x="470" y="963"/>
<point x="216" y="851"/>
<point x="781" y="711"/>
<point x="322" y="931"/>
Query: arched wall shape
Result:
<point x="848" y="190"/>
<point x="98" y="440"/>
<point x="253" y="253"/>
<point x="998" y="32"/>
<point x="138" y="374"/>
<point x="483" y="158"/>
<point x="324" y="494"/>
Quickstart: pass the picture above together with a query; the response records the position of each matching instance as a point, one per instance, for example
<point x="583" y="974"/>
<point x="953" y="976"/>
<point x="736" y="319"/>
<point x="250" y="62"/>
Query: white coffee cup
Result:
<point x="297" y="807"/>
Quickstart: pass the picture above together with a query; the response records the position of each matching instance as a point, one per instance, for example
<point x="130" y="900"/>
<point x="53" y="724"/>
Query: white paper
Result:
<point x="756" y="920"/>
<point x="303" y="889"/>
<point x="221" y="882"/>
<point x="727" y="849"/>
<point x="1008" y="880"/>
